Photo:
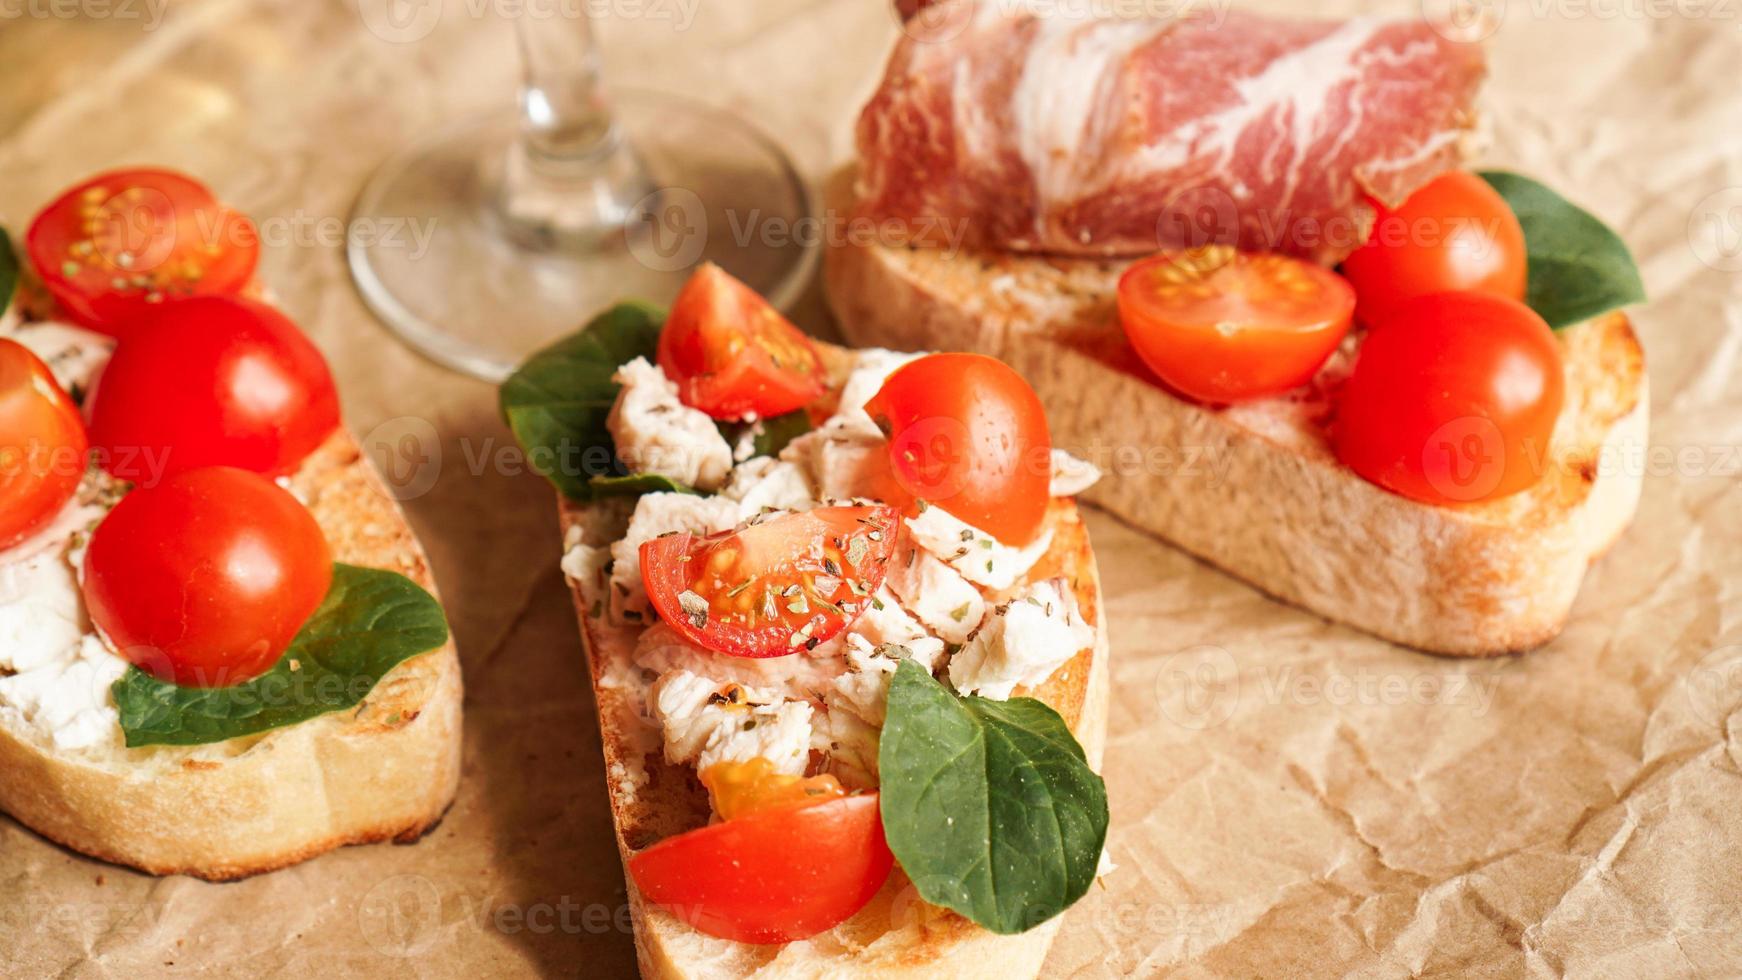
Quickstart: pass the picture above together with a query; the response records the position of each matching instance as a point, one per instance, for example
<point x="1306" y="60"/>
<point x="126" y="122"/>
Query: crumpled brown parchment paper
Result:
<point x="1290" y="797"/>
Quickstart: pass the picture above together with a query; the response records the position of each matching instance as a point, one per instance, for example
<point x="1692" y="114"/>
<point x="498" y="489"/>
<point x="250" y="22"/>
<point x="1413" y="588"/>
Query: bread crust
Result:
<point x="896" y="935"/>
<point x="385" y="771"/>
<point x="1256" y="489"/>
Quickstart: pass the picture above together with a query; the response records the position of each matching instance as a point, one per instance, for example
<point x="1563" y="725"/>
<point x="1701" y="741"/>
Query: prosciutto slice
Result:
<point x="1038" y="126"/>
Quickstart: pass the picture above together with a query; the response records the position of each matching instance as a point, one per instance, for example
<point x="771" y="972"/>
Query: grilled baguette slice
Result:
<point x="387" y="770"/>
<point x="896" y="935"/>
<point x="1255" y="488"/>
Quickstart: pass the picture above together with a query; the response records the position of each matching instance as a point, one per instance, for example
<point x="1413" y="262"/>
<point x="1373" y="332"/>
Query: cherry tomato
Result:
<point x="42" y="444"/>
<point x="773" y="876"/>
<point x="1224" y="326"/>
<point x="1453" y="400"/>
<point x="774" y="587"/>
<point x="215" y="381"/>
<point x="1455" y="234"/>
<point x="205" y="579"/>
<point x="733" y="354"/>
<point x="742" y="788"/>
<point x="968" y="434"/>
<point x="120" y="243"/>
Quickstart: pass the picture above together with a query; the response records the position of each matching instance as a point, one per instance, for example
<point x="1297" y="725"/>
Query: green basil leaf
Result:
<point x="1579" y="268"/>
<point x="636" y="484"/>
<point x="558" y="401"/>
<point x="8" y="271"/>
<point x="780" y="430"/>
<point x="990" y="806"/>
<point x="369" y="622"/>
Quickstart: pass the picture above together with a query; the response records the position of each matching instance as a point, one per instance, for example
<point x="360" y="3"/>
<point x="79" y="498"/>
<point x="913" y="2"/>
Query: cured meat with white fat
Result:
<point x="1029" y="125"/>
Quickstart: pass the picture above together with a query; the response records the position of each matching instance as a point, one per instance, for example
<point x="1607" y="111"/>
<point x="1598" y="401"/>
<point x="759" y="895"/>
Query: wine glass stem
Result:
<point x="571" y="180"/>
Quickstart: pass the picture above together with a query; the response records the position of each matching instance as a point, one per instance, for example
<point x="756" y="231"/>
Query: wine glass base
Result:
<point x="435" y="261"/>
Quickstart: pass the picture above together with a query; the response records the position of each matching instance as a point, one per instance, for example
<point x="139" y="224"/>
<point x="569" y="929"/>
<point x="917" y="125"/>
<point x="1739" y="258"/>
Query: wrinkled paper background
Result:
<point x="1290" y="797"/>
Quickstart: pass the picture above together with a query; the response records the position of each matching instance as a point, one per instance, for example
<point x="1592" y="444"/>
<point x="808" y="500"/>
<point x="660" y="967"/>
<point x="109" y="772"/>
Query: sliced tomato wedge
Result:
<point x="1222" y="326"/>
<point x="122" y="242"/>
<point x="42" y="444"/>
<point x="773" y="876"/>
<point x="774" y="587"/>
<point x="733" y="355"/>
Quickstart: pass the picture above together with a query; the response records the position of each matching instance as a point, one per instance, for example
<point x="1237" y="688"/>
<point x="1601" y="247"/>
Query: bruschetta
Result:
<point x="845" y="632"/>
<point x="220" y="651"/>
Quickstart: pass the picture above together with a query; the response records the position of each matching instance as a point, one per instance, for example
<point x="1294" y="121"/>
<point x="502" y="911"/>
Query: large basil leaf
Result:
<point x="990" y="806"/>
<point x="8" y="271"/>
<point x="1579" y="268"/>
<point x="777" y="432"/>
<point x="558" y="401"/>
<point x="635" y="484"/>
<point x="369" y="622"/>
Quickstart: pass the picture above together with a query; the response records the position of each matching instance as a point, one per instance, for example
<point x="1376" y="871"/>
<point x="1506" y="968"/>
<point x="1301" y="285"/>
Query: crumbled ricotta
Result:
<point x="936" y="594"/>
<point x="864" y="688"/>
<point x="1023" y="642"/>
<point x="55" y="673"/>
<point x="848" y="745"/>
<point x="799" y="676"/>
<point x="765" y="483"/>
<point x="977" y="555"/>
<point x="706" y="721"/>
<point x="72" y="354"/>
<point x="1070" y="475"/>
<point x="846" y="459"/>
<point x="656" y="433"/>
<point x="657" y="514"/>
<point x="871" y="368"/>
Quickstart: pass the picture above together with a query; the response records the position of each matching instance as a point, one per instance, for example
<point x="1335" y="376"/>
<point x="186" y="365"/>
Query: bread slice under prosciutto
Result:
<point x="1034" y="126"/>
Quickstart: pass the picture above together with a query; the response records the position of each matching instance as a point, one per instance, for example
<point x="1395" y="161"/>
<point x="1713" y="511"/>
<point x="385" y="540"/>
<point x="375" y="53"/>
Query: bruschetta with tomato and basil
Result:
<point x="846" y="637"/>
<point x="1243" y="263"/>
<point x="220" y="653"/>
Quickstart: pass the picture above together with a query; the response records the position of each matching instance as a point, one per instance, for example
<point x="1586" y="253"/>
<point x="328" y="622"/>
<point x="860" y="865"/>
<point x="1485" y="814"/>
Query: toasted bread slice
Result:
<point x="386" y="770"/>
<point x="897" y="934"/>
<point x="1255" y="488"/>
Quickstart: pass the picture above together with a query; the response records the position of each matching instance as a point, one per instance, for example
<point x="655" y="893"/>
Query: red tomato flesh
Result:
<point x="1222" y="326"/>
<point x="1455" y="234"/>
<point x="1453" y="400"/>
<point x="773" y="876"/>
<point x="121" y="243"/>
<point x="733" y="355"/>
<point x="774" y="587"/>
<point x="215" y="381"/>
<point x="205" y="580"/>
<point x="42" y="444"/>
<point x="967" y="434"/>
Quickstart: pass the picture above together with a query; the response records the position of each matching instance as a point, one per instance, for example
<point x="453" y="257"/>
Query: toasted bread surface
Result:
<point x="896" y="935"/>
<point x="385" y="770"/>
<point x="1256" y="488"/>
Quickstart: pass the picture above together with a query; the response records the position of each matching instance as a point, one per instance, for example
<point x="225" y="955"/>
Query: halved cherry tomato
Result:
<point x="205" y="579"/>
<point x="1224" y="326"/>
<point x="732" y="353"/>
<point x="741" y="788"/>
<point x="773" y="876"/>
<point x="114" y="246"/>
<point x="1456" y="233"/>
<point x="42" y="444"/>
<point x="1453" y="399"/>
<point x="215" y="381"/>
<point x="774" y="587"/>
<point x="968" y="434"/>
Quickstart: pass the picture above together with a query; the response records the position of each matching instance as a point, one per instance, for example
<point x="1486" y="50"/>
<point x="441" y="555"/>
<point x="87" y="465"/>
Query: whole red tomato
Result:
<point x="214" y="381"/>
<point x="205" y="579"/>
<point x="1453" y="399"/>
<point x="1455" y="234"/>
